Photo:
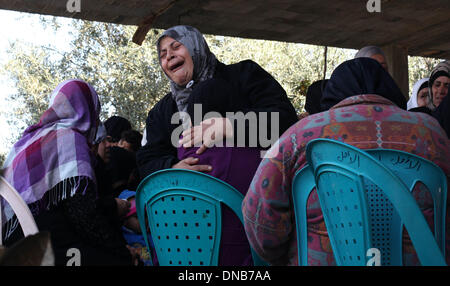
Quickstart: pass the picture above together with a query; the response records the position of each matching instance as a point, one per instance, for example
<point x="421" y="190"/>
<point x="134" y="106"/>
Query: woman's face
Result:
<point x="440" y="89"/>
<point x="176" y="61"/>
<point x="380" y="58"/>
<point x="422" y="97"/>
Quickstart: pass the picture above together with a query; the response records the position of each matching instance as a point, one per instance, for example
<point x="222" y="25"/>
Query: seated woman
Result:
<point x="439" y="84"/>
<point x="51" y="167"/>
<point x="419" y="96"/>
<point x="366" y="109"/>
<point x="197" y="77"/>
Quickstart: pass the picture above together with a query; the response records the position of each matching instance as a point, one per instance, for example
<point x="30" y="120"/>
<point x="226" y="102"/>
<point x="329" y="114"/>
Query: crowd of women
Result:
<point x="78" y="175"/>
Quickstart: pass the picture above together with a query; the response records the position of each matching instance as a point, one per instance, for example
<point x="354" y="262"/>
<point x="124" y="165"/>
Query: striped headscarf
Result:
<point x="204" y="61"/>
<point x="53" y="150"/>
<point x="441" y="69"/>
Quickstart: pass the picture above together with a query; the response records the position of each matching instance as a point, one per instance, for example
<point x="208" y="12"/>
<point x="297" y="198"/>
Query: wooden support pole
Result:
<point x="397" y="61"/>
<point x="147" y="23"/>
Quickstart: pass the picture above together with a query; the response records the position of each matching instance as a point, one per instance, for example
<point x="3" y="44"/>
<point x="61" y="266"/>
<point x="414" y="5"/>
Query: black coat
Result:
<point x="243" y="86"/>
<point x="442" y="114"/>
<point x="80" y="222"/>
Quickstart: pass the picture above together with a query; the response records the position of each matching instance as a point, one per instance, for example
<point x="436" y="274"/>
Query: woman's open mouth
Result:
<point x="176" y="66"/>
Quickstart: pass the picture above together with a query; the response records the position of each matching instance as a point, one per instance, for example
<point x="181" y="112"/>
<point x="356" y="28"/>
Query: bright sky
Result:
<point x="23" y="27"/>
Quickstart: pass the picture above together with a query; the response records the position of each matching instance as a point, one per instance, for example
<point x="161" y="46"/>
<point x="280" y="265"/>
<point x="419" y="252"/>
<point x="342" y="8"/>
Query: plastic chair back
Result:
<point x="412" y="169"/>
<point x="302" y="186"/>
<point x="19" y="207"/>
<point x="359" y="214"/>
<point x="184" y="215"/>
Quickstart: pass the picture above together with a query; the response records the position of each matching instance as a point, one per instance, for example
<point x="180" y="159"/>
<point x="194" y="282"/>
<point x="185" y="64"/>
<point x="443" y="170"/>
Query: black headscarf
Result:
<point x="119" y="169"/>
<point x="361" y="76"/>
<point x="314" y="95"/>
<point x="115" y="125"/>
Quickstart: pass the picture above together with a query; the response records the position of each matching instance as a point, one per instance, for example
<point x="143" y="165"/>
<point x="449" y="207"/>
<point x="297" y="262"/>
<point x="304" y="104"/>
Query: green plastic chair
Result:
<point x="379" y="224"/>
<point x="184" y="215"/>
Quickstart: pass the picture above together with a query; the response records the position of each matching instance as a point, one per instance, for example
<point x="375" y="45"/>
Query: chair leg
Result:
<point x="20" y="208"/>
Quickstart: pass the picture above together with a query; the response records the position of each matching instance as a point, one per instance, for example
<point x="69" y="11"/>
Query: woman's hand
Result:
<point x="191" y="164"/>
<point x="209" y="131"/>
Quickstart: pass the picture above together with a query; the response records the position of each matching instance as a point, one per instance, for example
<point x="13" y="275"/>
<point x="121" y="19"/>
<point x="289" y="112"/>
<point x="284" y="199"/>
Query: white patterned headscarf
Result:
<point x="204" y="61"/>
<point x="412" y="102"/>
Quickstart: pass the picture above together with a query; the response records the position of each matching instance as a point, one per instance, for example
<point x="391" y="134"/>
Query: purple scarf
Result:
<point x="55" y="149"/>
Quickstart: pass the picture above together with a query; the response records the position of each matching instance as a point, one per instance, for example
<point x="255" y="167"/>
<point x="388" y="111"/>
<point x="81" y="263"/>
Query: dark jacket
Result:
<point x="442" y="114"/>
<point x="79" y="223"/>
<point x="249" y="88"/>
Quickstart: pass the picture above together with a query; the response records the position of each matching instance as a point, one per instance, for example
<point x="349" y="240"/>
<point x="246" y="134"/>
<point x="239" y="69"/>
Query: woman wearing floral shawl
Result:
<point x="51" y="167"/>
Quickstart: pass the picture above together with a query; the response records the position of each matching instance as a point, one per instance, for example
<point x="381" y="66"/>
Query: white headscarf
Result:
<point x="412" y="102"/>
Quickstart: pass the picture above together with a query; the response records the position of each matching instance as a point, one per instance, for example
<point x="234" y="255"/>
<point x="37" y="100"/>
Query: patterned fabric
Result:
<point x="137" y="242"/>
<point x="204" y="61"/>
<point x="134" y="239"/>
<point x="54" y="149"/>
<point x="364" y="121"/>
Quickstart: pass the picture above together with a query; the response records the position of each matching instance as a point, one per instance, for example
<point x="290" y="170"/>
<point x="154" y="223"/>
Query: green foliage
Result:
<point x="420" y="68"/>
<point x="128" y="77"/>
<point x="2" y="159"/>
<point x="295" y="66"/>
<point x="33" y="73"/>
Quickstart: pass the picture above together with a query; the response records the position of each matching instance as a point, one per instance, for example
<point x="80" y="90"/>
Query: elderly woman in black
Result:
<point x="197" y="77"/>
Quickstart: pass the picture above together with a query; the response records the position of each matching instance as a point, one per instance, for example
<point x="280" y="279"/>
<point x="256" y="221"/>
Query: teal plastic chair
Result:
<point x="302" y="186"/>
<point x="379" y="224"/>
<point x="412" y="169"/>
<point x="184" y="216"/>
<point x="408" y="167"/>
